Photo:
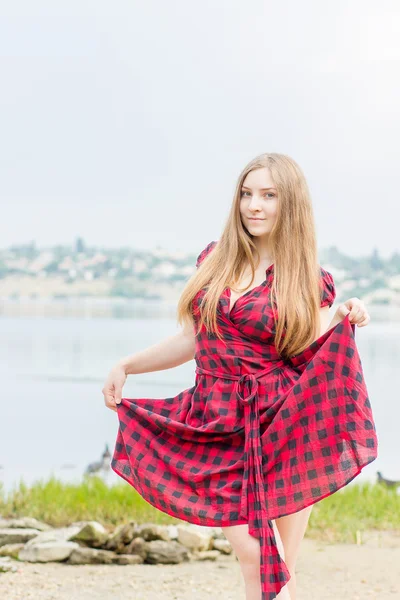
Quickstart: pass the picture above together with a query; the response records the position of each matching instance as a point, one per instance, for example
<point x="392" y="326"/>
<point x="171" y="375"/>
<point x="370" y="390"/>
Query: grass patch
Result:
<point x="354" y="508"/>
<point x="58" y="503"/>
<point x="357" y="507"/>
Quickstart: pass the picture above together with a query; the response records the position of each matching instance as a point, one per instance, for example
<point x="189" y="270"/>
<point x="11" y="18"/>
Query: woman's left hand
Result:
<point x="355" y="308"/>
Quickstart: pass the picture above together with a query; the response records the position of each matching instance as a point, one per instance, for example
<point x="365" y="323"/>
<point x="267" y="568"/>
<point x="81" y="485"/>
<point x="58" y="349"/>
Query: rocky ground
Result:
<point x="324" y="572"/>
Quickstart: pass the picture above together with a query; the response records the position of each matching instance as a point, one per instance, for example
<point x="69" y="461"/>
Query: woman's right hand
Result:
<point x="112" y="389"/>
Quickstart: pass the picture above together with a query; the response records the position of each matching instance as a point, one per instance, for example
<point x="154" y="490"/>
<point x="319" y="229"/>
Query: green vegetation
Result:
<point x="355" y="508"/>
<point x="58" y="503"/>
<point x="343" y="516"/>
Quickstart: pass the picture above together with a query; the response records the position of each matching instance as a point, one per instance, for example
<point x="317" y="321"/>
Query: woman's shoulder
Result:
<point x="328" y="289"/>
<point x="205" y="252"/>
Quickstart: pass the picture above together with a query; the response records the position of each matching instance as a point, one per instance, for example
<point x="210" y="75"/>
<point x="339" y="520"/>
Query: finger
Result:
<point x="358" y="311"/>
<point x="364" y="321"/>
<point x="117" y="395"/>
<point x="355" y="314"/>
<point x="108" y="398"/>
<point x="361" y="316"/>
<point x="112" y="406"/>
<point x="343" y="310"/>
<point x="351" y="307"/>
<point x="106" y="391"/>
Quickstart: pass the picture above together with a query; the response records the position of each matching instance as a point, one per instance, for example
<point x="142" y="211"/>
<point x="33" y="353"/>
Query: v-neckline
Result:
<point x="229" y="292"/>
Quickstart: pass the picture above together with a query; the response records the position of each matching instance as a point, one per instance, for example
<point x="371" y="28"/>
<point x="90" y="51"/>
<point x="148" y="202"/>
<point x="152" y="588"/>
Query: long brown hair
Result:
<point x="296" y="287"/>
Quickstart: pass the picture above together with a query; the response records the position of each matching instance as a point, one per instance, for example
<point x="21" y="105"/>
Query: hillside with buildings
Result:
<point x="80" y="271"/>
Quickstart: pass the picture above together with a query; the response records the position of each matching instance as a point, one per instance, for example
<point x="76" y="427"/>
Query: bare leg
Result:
<point x="292" y="529"/>
<point x="247" y="550"/>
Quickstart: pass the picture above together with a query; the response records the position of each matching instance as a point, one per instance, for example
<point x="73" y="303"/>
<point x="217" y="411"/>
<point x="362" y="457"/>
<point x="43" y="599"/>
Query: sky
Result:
<point x="128" y="123"/>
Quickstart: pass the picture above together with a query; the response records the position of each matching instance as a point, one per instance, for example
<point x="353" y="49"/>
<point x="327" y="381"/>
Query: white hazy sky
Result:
<point x="127" y="123"/>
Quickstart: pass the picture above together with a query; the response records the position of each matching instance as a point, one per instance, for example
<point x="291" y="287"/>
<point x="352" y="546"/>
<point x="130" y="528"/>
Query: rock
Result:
<point x="62" y="534"/>
<point x="91" y="556"/>
<point x="218" y="533"/>
<point x="150" y="532"/>
<point x="166" y="553"/>
<point x="92" y="533"/>
<point x="215" y="532"/>
<point x="207" y="555"/>
<point x="89" y="542"/>
<point x="15" y="535"/>
<point x="79" y="523"/>
<point x="222" y="545"/>
<point x="7" y="565"/>
<point x="50" y="546"/>
<point x="11" y="550"/>
<point x="194" y="538"/>
<point x="172" y="532"/>
<point x="24" y="523"/>
<point x="128" y="559"/>
<point x="52" y="551"/>
<point x="122" y="536"/>
<point x="137" y="546"/>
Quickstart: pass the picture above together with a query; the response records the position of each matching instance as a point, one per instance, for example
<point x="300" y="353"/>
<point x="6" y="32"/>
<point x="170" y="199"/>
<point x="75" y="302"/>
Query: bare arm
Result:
<point x="170" y="352"/>
<point x="324" y="319"/>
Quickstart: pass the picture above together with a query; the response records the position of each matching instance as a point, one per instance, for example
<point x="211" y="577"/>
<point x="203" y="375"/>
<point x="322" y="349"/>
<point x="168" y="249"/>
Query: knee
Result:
<point x="249" y="556"/>
<point x="250" y="570"/>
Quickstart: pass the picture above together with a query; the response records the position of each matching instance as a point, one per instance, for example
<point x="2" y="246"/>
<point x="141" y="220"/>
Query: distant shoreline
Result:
<point x="109" y="306"/>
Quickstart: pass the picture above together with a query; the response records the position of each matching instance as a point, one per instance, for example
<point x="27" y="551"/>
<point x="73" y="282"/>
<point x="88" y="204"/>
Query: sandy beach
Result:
<point x="324" y="572"/>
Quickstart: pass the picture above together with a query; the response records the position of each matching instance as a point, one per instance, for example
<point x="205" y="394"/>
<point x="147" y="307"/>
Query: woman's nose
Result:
<point x="255" y="202"/>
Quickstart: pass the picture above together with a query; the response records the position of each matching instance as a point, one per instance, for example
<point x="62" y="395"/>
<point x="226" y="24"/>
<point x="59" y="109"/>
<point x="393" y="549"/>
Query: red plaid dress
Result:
<point x="256" y="437"/>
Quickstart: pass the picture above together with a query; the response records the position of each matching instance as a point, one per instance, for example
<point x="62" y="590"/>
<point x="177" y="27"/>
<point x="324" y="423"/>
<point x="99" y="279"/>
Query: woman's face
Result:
<point x="258" y="202"/>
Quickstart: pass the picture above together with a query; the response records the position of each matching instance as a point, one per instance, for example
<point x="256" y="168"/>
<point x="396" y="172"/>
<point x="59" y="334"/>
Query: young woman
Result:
<point x="279" y="415"/>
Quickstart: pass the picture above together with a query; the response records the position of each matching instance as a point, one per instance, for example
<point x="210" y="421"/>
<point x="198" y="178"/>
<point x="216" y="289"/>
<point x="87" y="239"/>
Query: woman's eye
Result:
<point x="266" y="193"/>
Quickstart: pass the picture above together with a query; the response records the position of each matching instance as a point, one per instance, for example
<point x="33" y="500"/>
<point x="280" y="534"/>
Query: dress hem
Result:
<point x="211" y="522"/>
<point x="204" y="521"/>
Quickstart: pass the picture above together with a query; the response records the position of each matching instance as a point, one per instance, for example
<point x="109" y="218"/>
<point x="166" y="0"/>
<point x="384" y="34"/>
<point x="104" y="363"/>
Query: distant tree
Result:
<point x="394" y="262"/>
<point x="375" y="260"/>
<point x="122" y="273"/>
<point x="51" y="267"/>
<point x="28" y="251"/>
<point x="31" y="250"/>
<point x="144" y="276"/>
<point x="59" y="252"/>
<point x="80" y="245"/>
<point x="3" y="269"/>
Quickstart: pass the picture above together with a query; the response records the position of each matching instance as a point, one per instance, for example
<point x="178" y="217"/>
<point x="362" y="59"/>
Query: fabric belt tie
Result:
<point x="253" y="505"/>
